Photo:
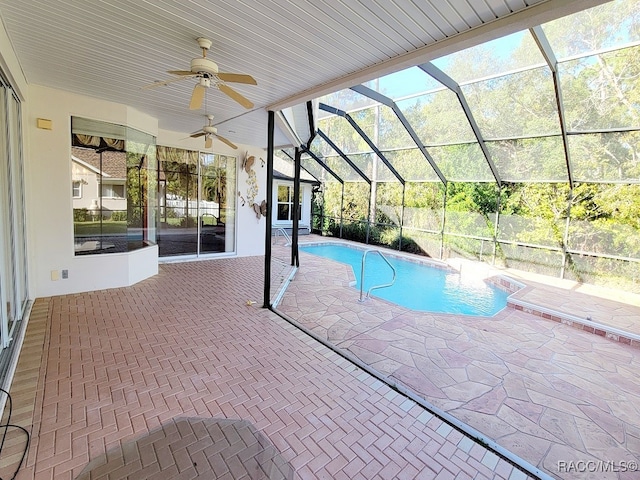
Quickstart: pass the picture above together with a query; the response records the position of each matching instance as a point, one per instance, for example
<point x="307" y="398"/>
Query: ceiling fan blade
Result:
<point x="196" y="97"/>
<point x="208" y="142"/>
<point x="228" y="142"/>
<point x="237" y="78"/>
<point x="162" y="83"/>
<point x="181" y="72"/>
<point x="245" y="102"/>
<point x="197" y="134"/>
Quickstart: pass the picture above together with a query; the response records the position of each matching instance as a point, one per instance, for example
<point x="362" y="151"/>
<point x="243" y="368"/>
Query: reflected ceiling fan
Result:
<point x="206" y="71"/>
<point x="209" y="131"/>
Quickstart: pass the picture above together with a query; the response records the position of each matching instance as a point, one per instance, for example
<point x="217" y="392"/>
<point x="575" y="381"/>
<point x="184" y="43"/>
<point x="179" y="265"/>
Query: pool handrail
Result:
<point x="364" y="257"/>
<point x="277" y="232"/>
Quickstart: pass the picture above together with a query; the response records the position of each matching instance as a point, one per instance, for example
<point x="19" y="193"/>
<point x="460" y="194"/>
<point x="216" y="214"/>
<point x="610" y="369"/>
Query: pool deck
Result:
<point x="184" y="375"/>
<point x="538" y="378"/>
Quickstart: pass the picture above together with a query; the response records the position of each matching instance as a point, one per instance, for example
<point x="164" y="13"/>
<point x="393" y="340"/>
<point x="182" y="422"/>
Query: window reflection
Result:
<point x="197" y="195"/>
<point x="113" y="187"/>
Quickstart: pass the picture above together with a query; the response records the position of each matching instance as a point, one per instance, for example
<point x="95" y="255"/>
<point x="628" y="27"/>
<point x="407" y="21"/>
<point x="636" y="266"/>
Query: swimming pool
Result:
<point x="418" y="286"/>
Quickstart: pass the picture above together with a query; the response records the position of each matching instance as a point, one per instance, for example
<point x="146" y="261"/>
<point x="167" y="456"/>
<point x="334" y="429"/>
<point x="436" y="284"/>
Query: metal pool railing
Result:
<point x="364" y="258"/>
<point x="284" y="233"/>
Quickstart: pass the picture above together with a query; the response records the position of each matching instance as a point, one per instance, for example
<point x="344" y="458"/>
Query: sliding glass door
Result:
<point x="217" y="203"/>
<point x="197" y="202"/>
<point x="13" y="257"/>
<point x="178" y="180"/>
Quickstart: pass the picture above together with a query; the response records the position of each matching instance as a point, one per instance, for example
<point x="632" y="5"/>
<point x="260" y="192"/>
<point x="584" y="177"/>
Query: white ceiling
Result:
<point x="295" y="49"/>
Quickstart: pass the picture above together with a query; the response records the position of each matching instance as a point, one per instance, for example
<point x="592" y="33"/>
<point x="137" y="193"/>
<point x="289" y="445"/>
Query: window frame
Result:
<point x="73" y="189"/>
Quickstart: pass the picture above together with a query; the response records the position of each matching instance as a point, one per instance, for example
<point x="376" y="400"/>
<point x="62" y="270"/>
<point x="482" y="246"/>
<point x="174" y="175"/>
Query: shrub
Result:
<point x="81" y="215"/>
<point x="119" y="216"/>
<point x="188" y="222"/>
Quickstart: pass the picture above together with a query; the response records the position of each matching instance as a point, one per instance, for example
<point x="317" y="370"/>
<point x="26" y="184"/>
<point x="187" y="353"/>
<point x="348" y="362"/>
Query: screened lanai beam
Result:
<point x="343" y="156"/>
<point x="378" y="97"/>
<point x="312" y="124"/>
<point x="304" y="149"/>
<point x="433" y="71"/>
<point x="547" y="52"/>
<point x="323" y="165"/>
<point x="266" y="295"/>
<point x="364" y="136"/>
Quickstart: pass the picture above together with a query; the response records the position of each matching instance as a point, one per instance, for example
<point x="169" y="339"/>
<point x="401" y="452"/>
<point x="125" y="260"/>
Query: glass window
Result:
<point x="112" y="191"/>
<point x="13" y="255"/>
<point x="197" y="202"/>
<point x="285" y="203"/>
<point x="217" y="205"/>
<point x="118" y="164"/>
<point x="76" y="189"/>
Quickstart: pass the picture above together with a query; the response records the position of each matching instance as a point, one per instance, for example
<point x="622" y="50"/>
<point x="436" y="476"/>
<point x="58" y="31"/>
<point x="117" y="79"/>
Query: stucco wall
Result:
<point x="49" y="202"/>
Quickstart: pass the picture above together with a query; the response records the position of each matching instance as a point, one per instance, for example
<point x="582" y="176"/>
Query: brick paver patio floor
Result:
<point x="146" y="381"/>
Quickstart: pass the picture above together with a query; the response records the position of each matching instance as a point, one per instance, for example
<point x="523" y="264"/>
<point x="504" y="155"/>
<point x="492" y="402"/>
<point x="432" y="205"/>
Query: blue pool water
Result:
<point x="418" y="286"/>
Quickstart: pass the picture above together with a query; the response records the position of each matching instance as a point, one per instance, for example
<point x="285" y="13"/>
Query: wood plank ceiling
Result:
<point x="295" y="49"/>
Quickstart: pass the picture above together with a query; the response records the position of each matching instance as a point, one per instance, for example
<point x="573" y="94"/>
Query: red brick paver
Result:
<point x="121" y="365"/>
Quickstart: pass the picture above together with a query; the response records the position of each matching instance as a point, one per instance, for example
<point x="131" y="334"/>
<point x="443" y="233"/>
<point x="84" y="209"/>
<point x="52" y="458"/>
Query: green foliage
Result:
<point x="81" y="215"/>
<point x="171" y="212"/>
<point x="391" y="238"/>
<point x="356" y="231"/>
<point x="473" y="197"/>
<point x="188" y="222"/>
<point x="119" y="216"/>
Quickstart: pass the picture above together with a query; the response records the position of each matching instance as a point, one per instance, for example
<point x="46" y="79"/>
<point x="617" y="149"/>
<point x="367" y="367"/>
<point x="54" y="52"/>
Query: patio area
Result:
<point x="545" y="387"/>
<point x="183" y="376"/>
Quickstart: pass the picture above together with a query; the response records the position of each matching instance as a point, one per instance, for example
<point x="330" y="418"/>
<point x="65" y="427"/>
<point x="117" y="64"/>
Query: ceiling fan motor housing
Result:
<point x="204" y="66"/>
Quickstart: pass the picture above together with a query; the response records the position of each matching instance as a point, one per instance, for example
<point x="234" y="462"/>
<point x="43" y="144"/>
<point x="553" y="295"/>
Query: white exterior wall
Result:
<point x="49" y="202"/>
<point x="251" y="230"/>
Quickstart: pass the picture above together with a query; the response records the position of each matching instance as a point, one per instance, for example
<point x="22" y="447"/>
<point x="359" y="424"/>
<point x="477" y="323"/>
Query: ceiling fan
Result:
<point x="209" y="131"/>
<point x="206" y="71"/>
